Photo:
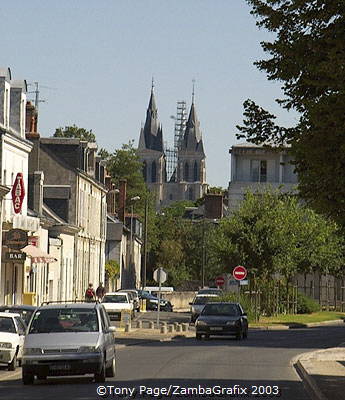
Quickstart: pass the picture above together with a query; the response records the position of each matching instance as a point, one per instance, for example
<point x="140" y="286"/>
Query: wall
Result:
<point x="180" y="300"/>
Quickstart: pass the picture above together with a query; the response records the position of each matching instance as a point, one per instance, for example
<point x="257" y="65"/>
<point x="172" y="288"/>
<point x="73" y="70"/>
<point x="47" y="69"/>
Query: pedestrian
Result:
<point x="90" y="293"/>
<point x="100" y="291"/>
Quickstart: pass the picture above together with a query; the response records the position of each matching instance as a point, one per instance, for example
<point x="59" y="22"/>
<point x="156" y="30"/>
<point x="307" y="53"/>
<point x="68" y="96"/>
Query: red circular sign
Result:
<point x="220" y="281"/>
<point x="239" y="273"/>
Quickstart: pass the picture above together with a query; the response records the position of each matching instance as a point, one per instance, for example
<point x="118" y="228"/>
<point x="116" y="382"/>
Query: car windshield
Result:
<point x="25" y="314"/>
<point x="7" y="325"/>
<point x="202" y="300"/>
<point x="210" y="291"/>
<point x="115" y="298"/>
<point x="64" y="320"/>
<point x="220" y="309"/>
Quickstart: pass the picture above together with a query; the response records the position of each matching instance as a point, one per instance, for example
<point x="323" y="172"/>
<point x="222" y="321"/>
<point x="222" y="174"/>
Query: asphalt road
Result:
<point x="262" y="360"/>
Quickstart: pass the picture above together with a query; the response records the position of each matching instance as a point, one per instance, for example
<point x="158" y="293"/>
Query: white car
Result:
<point x="12" y="334"/>
<point x="116" y="302"/>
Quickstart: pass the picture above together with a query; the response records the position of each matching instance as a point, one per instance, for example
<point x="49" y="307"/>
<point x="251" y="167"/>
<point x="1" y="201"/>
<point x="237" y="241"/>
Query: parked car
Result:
<point x="69" y="339"/>
<point x="222" y="318"/>
<point x="12" y="333"/>
<point x="135" y="296"/>
<point x="215" y="291"/>
<point x="152" y="302"/>
<point x="198" y="304"/>
<point x="115" y="303"/>
<point x="25" y="311"/>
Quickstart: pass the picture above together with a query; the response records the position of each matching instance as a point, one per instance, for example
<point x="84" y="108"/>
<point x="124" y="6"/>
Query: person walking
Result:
<point x="90" y="293"/>
<point x="100" y="291"/>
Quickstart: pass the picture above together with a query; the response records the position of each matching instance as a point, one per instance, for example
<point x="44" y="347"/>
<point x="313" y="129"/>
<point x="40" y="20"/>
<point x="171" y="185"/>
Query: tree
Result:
<point x="75" y="132"/>
<point x="273" y="233"/>
<point x="308" y="57"/>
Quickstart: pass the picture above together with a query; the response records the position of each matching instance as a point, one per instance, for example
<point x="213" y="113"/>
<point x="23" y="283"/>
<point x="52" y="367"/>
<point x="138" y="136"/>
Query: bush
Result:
<point x="306" y="305"/>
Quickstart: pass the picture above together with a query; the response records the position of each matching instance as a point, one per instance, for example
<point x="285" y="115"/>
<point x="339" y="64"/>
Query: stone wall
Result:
<point x="180" y="300"/>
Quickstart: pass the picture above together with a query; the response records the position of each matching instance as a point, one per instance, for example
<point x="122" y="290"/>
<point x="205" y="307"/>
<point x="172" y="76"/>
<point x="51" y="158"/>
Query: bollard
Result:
<point x="164" y="328"/>
<point x="178" y="328"/>
<point x="139" y="324"/>
<point x="170" y="328"/>
<point x="151" y="325"/>
<point x="185" y="327"/>
<point x="128" y="327"/>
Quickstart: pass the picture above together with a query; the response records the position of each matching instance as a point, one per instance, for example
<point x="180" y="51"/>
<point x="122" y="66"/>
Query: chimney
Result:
<point x="5" y="88"/>
<point x="17" y="106"/>
<point x="214" y="206"/>
<point x="38" y="191"/>
<point x="31" y="121"/>
<point x="122" y="200"/>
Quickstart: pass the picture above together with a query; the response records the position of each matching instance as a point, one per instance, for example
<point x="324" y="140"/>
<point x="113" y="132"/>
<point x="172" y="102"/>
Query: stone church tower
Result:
<point x="188" y="181"/>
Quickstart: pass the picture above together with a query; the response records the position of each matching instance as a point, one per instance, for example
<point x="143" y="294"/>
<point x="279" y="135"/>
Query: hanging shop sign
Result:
<point x="16" y="239"/>
<point x="18" y="193"/>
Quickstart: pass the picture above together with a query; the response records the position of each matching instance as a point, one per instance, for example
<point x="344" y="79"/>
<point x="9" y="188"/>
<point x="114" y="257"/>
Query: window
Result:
<point x="153" y="172"/>
<point x="186" y="172"/>
<point x="145" y="171"/>
<point x="195" y="172"/>
<point x="258" y="170"/>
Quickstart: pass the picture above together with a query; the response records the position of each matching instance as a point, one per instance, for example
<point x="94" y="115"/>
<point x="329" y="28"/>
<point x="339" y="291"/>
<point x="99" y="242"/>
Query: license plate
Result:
<point x="60" y="367"/>
<point x="216" y="328"/>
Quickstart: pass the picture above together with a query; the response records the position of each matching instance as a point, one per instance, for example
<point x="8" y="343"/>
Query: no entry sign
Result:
<point x="220" y="281"/>
<point x="239" y="273"/>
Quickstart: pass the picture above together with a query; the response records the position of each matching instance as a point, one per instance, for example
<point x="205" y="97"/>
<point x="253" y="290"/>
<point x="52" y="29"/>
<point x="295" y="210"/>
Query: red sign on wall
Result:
<point x="18" y="193"/>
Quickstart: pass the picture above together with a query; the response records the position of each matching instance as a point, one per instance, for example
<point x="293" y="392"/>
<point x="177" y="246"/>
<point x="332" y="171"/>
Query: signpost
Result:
<point x="18" y="193"/>
<point x="239" y="273"/>
<point x="160" y="276"/>
<point x="220" y="281"/>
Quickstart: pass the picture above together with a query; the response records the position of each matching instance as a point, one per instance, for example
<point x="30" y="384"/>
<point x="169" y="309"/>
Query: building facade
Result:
<point x="257" y="168"/>
<point x="188" y="180"/>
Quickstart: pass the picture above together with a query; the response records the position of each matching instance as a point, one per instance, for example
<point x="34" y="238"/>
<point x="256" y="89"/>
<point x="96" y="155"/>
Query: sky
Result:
<point x="94" y="61"/>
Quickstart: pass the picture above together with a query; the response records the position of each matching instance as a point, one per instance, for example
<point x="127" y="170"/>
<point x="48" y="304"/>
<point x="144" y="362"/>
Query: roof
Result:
<point x="192" y="139"/>
<point x="256" y="146"/>
<point x="18" y="307"/>
<point x="69" y="305"/>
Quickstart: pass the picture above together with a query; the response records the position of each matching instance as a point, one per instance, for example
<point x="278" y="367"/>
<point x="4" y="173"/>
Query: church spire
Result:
<point x="151" y="135"/>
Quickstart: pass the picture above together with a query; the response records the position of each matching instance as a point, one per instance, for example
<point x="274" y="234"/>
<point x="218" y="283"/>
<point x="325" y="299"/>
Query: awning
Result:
<point x="37" y="255"/>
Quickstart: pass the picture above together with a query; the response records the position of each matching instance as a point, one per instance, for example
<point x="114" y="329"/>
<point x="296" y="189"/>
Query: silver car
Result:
<point x="198" y="304"/>
<point x="69" y="339"/>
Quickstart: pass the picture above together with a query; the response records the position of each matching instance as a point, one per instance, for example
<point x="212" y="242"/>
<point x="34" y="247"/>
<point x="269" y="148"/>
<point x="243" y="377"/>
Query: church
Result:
<point x="173" y="174"/>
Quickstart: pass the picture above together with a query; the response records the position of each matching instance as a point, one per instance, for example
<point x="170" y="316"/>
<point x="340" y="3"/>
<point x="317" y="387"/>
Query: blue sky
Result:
<point x="94" y="61"/>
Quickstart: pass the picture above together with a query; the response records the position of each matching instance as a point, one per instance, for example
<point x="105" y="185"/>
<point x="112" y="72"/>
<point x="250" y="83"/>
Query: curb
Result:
<point x="296" y="325"/>
<point x="309" y="382"/>
<point x="6" y="376"/>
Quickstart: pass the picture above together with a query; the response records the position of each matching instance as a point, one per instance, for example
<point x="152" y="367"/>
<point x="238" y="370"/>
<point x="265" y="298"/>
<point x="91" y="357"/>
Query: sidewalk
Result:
<point x="323" y="372"/>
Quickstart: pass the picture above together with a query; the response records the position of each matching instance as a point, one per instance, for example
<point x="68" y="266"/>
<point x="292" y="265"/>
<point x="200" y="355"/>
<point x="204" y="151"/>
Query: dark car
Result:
<point x="152" y="302"/>
<point x="222" y="319"/>
<point x="25" y="311"/>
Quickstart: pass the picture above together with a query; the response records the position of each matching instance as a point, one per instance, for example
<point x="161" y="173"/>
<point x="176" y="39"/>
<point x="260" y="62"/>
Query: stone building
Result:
<point x="188" y="180"/>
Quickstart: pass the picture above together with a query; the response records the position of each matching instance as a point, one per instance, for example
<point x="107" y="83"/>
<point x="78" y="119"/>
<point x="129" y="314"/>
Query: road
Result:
<point x="263" y="359"/>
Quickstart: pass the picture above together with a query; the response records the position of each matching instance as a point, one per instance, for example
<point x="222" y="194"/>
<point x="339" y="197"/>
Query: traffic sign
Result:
<point x="18" y="193"/>
<point x="239" y="273"/>
<point x="220" y="281"/>
<point x="159" y="275"/>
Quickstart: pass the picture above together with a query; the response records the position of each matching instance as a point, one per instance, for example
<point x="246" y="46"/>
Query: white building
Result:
<point x="257" y="168"/>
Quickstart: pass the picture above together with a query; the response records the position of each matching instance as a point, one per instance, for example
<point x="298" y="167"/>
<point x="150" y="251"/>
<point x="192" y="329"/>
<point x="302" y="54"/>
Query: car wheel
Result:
<point x="198" y="336"/>
<point x="110" y="372"/>
<point x="27" y="378"/>
<point x="100" y="377"/>
<point x="12" y="365"/>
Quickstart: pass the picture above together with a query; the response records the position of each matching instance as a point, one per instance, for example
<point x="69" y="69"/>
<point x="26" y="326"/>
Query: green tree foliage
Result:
<point x="273" y="233"/>
<point x="112" y="269"/>
<point x="74" y="131"/>
<point x="307" y="56"/>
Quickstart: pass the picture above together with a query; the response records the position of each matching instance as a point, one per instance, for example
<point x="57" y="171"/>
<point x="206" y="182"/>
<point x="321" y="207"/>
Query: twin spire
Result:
<point x="151" y="135"/>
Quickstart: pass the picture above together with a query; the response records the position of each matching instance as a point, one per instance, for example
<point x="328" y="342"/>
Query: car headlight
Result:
<point x="199" y="323"/>
<point x="5" y="345"/>
<point x="88" y="349"/>
<point x="32" y="351"/>
<point x="231" y="323"/>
